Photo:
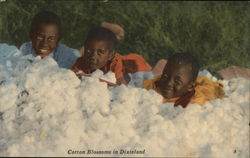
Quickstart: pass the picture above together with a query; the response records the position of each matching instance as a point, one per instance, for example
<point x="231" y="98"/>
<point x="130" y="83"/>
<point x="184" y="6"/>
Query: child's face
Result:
<point x="176" y="80"/>
<point x="96" y="54"/>
<point x="44" y="39"/>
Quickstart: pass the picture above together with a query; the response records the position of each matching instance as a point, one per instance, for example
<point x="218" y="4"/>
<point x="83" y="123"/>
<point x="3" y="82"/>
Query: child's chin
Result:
<point x="93" y="67"/>
<point x="168" y="96"/>
<point x="42" y="55"/>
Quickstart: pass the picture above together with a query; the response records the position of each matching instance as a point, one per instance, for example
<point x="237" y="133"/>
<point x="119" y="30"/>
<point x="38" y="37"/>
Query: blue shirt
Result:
<point x="63" y="55"/>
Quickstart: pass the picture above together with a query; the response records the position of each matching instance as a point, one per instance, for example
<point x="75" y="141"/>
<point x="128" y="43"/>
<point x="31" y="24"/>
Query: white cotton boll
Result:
<point x="97" y="74"/>
<point x="246" y="108"/>
<point x="96" y="118"/>
<point x="8" y="51"/>
<point x="214" y="79"/>
<point x="31" y="113"/>
<point x="235" y="97"/>
<point x="224" y="83"/>
<point x="9" y="125"/>
<point x="227" y="90"/>
<point x="239" y="99"/>
<point x="95" y="97"/>
<point x="150" y="97"/>
<point x="168" y="111"/>
<point x="246" y="97"/>
<point x="120" y="93"/>
<point x="28" y="138"/>
<point x="205" y="73"/>
<point x="104" y="109"/>
<point x="8" y="64"/>
<point x="9" y="114"/>
<point x="3" y="74"/>
<point x="154" y="110"/>
<point x="153" y="147"/>
<point x="239" y="85"/>
<point x="49" y="61"/>
<point x="208" y="75"/>
<point x="13" y="150"/>
<point x="137" y="78"/>
<point x="8" y="91"/>
<point x="75" y="130"/>
<point x="52" y="110"/>
<point x="110" y="76"/>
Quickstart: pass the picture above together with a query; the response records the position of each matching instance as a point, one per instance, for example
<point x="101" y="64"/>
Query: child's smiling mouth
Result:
<point x="44" y="51"/>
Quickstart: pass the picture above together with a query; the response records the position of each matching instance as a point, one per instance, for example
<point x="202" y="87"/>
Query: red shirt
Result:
<point x="120" y="65"/>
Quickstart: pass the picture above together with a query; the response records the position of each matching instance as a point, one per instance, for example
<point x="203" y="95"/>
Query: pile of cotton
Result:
<point x="47" y="111"/>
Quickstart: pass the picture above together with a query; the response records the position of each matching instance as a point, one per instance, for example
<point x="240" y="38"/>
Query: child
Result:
<point x="115" y="28"/>
<point x="99" y="53"/>
<point x="178" y="82"/>
<point x="45" y="33"/>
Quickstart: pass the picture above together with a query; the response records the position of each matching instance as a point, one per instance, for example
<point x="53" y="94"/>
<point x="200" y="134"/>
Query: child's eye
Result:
<point x="165" y="76"/>
<point x="52" y="38"/>
<point x="99" y="51"/>
<point x="39" y="37"/>
<point x="178" y="81"/>
<point x="88" y="51"/>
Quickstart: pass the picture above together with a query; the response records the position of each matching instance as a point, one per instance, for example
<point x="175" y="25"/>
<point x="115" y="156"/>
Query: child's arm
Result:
<point x="79" y="75"/>
<point x="159" y="66"/>
<point x="115" y="28"/>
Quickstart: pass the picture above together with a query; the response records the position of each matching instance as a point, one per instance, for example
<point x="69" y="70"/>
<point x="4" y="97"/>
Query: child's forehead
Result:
<point x="178" y="67"/>
<point x="47" y="26"/>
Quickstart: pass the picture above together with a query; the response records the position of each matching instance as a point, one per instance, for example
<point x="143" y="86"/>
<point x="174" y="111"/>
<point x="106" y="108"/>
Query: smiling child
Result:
<point x="45" y="34"/>
<point x="179" y="83"/>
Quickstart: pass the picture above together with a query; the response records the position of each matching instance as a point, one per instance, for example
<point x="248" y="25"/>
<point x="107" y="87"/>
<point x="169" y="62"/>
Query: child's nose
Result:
<point x="94" y="54"/>
<point x="170" y="82"/>
<point x="45" y="41"/>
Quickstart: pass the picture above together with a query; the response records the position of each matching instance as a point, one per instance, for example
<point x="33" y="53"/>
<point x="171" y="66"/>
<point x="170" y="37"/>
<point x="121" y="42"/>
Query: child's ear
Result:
<point x="191" y="86"/>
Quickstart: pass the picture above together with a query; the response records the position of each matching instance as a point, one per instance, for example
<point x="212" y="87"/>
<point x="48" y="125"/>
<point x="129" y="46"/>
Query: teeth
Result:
<point x="43" y="50"/>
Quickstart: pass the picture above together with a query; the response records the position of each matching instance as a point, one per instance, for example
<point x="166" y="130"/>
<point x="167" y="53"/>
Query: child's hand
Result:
<point x="110" y="84"/>
<point x="115" y="28"/>
<point x="79" y="74"/>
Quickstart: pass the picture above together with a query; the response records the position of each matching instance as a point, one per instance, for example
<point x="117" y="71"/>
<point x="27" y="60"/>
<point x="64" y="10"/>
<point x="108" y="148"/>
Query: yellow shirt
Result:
<point x="205" y="89"/>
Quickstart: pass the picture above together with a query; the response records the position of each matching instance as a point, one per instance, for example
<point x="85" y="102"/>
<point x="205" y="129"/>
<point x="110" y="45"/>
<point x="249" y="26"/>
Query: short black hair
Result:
<point x="102" y="34"/>
<point x="186" y="58"/>
<point x="45" y="17"/>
